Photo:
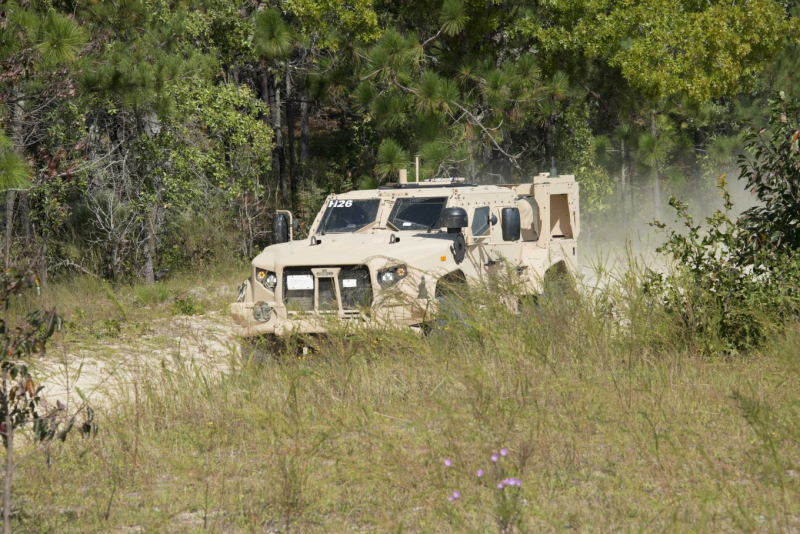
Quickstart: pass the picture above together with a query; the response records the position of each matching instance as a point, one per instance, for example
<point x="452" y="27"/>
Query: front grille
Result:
<point x="297" y="299"/>
<point x="354" y="298"/>
<point x="357" y="294"/>
<point x="327" y="295"/>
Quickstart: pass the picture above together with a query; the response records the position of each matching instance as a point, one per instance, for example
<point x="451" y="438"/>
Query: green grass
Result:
<point x="611" y="419"/>
<point x="95" y="309"/>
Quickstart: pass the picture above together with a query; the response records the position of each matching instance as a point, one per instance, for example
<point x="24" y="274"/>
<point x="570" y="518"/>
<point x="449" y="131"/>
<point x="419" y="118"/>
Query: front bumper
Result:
<point x="281" y="322"/>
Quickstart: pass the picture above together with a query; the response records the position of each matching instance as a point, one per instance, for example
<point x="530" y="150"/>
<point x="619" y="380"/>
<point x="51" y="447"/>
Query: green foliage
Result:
<point x="187" y="305"/>
<point x="61" y="39"/>
<point x="21" y="341"/>
<point x="145" y="113"/>
<point x="150" y="295"/>
<point x="771" y="168"/>
<point x="727" y="298"/>
<point x="333" y="22"/>
<point x="391" y="158"/>
<point x="217" y="133"/>
<point x="272" y="37"/>
<point x="664" y="47"/>
<point x="452" y="17"/>
<point x="654" y="151"/>
<point x="14" y="171"/>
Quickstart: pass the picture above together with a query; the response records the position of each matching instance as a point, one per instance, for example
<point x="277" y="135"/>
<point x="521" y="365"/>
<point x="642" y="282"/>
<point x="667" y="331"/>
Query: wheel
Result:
<point x="260" y="349"/>
<point x="527" y="303"/>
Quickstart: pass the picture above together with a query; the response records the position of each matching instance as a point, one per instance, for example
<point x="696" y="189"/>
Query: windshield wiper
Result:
<point x="435" y="221"/>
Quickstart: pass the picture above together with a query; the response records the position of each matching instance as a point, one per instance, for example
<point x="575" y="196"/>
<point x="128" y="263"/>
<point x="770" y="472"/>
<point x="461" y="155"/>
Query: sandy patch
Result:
<point x="105" y="368"/>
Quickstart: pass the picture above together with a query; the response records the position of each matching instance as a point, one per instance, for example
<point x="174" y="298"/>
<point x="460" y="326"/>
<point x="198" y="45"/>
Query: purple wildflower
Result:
<point x="503" y="452"/>
<point x="456" y="494"/>
<point x="495" y="457"/>
<point x="448" y="462"/>
<point x="480" y="473"/>
<point x="500" y="485"/>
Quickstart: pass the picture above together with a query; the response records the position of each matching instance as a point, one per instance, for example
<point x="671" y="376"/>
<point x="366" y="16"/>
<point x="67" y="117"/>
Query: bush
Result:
<point x="726" y="295"/>
<point x="187" y="305"/>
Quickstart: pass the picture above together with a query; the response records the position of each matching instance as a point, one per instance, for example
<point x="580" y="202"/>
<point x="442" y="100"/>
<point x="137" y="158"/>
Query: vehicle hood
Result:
<point x="357" y="249"/>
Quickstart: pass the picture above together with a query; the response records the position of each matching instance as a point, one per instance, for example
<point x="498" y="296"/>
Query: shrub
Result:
<point x="187" y="306"/>
<point x="725" y="294"/>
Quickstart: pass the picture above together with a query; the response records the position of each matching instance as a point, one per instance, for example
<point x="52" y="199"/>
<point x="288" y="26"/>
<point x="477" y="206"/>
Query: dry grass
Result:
<point x="611" y="420"/>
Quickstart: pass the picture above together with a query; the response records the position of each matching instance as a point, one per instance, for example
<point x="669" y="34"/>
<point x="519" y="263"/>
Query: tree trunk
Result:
<point x="699" y="139"/>
<point x="25" y="218"/>
<point x="10" y="197"/>
<point x="633" y="200"/>
<point x="656" y="178"/>
<point x="149" y="270"/>
<point x="43" y="260"/>
<point x="17" y="116"/>
<point x="9" y="435"/>
<point x="290" y="134"/>
<point x="270" y="94"/>
<point x="549" y="141"/>
<point x="276" y="116"/>
<point x="149" y="250"/>
<point x="623" y="177"/>
<point x="274" y="100"/>
<point x="266" y="97"/>
<point x="305" y="136"/>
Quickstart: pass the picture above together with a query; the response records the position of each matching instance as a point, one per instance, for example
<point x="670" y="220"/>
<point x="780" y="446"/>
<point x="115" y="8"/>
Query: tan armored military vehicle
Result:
<point x="403" y="239"/>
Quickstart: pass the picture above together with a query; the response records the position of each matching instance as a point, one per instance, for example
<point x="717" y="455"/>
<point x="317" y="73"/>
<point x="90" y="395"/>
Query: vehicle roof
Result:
<point x="419" y="185"/>
<point x="424" y="190"/>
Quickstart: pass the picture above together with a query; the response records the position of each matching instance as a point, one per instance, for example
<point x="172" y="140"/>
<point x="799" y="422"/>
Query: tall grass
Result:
<point x="611" y="419"/>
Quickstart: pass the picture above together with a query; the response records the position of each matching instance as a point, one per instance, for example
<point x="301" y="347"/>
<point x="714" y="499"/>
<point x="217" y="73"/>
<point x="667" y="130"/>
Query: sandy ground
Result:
<point x="104" y="368"/>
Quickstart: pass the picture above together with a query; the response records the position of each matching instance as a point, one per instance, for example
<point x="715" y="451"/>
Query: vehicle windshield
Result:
<point x="343" y="216"/>
<point x="416" y="213"/>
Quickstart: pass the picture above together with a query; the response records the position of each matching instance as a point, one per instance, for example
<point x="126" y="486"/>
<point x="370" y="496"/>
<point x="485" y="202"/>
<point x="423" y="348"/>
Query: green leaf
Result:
<point x="452" y="17"/>
<point x="62" y="39"/>
<point x="429" y="92"/>
<point x="271" y="35"/>
<point x="391" y="158"/>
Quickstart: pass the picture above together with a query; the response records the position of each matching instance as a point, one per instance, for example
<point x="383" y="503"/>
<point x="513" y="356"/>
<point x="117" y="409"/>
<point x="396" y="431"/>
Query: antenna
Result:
<point x="416" y="163"/>
<point x="553" y="171"/>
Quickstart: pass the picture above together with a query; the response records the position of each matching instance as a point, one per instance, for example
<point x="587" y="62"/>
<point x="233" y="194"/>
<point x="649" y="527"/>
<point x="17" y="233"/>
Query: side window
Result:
<point x="480" y="221"/>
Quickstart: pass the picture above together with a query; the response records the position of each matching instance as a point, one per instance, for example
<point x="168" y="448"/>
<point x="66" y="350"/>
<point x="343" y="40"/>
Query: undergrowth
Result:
<point x="611" y="412"/>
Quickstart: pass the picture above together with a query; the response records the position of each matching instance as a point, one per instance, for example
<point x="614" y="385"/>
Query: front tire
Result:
<point x="260" y="349"/>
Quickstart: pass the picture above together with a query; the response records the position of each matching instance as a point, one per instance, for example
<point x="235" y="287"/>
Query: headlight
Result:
<point x="268" y="279"/>
<point x="392" y="275"/>
<point x="272" y="281"/>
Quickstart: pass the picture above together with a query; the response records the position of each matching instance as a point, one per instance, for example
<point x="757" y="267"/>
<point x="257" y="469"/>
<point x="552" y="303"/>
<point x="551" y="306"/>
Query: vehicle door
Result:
<point x="499" y="247"/>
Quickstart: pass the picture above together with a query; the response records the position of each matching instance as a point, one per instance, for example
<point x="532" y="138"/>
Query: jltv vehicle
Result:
<point x="405" y="240"/>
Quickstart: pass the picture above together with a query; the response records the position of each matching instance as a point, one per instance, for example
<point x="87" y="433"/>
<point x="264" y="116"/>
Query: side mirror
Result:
<point x="511" y="224"/>
<point x="282" y="226"/>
